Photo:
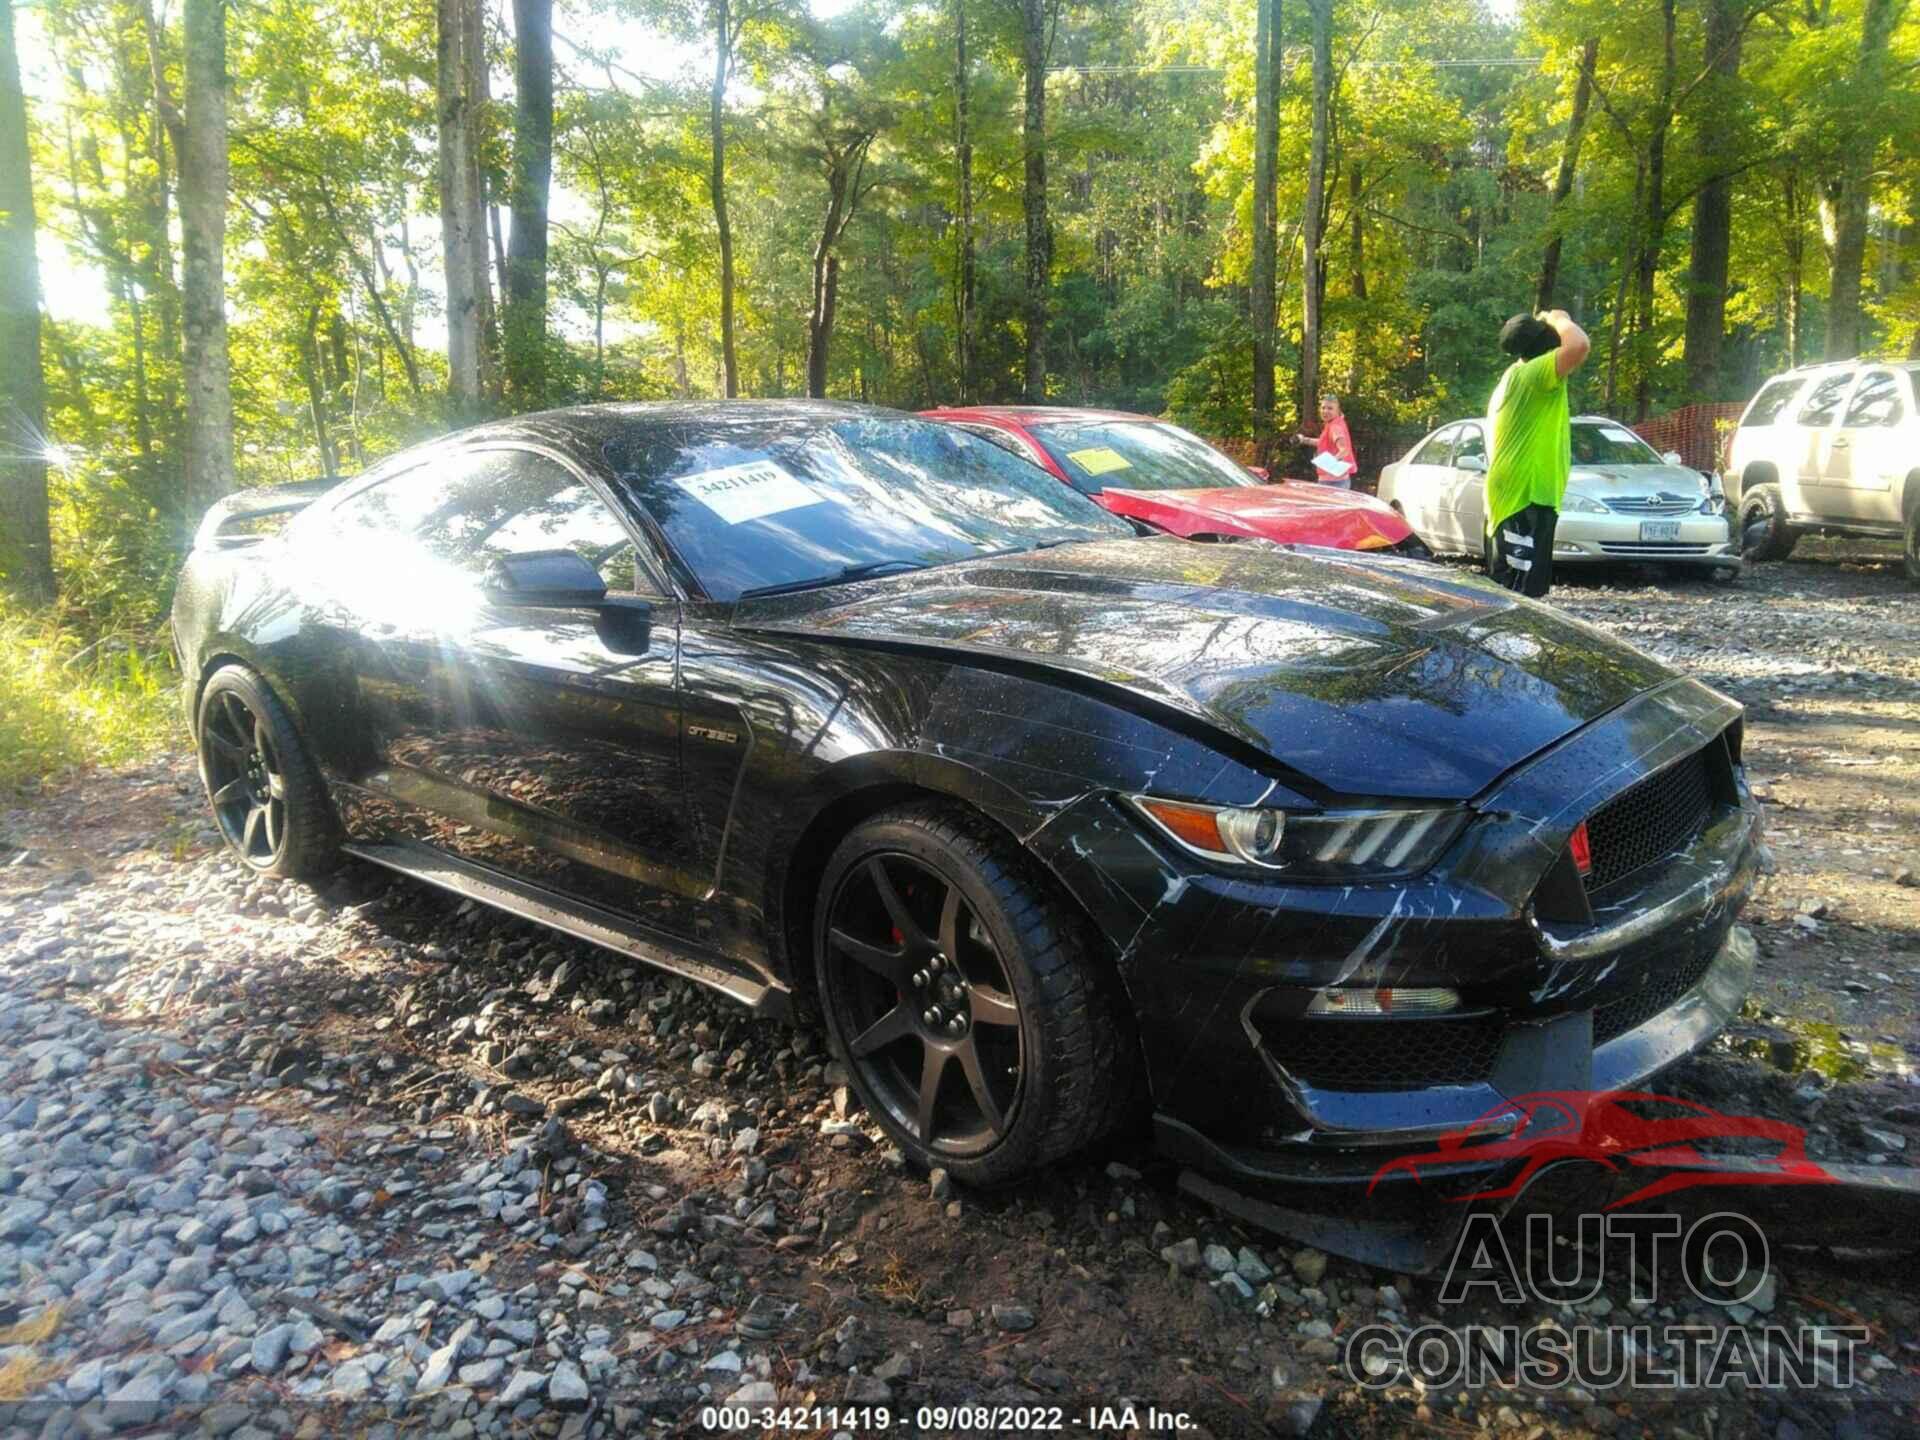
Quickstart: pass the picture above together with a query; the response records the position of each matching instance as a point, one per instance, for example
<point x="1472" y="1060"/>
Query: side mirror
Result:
<point x="1475" y="463"/>
<point x="1672" y="457"/>
<point x="551" y="579"/>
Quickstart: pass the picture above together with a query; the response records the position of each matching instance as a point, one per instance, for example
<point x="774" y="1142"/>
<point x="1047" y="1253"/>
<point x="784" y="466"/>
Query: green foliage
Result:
<point x="66" y="704"/>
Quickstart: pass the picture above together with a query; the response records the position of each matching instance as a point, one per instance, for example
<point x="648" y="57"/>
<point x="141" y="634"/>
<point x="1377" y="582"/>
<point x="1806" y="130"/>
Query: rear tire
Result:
<point x="963" y="998"/>
<point x="268" y="799"/>
<point x="1764" y="532"/>
<point x="1910" y="546"/>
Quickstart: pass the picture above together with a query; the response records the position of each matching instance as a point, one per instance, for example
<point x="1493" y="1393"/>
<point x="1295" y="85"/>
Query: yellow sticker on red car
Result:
<point x="1100" y="460"/>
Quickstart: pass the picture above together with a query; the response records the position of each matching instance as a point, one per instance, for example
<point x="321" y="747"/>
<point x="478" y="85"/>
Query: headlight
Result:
<point x="1325" y="845"/>
<point x="1583" y="504"/>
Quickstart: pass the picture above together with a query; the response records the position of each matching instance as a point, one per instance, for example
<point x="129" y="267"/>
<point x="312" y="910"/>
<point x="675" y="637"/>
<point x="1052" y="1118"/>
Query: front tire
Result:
<point x="960" y="995"/>
<point x="268" y="799"/>
<point x="1910" y="545"/>
<point x="1764" y="532"/>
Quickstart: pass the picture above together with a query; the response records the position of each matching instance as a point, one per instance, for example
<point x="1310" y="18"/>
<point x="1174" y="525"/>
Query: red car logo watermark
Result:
<point x="1621" y="1130"/>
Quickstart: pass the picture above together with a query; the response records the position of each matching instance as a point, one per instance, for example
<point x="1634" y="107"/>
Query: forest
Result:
<point x="269" y="240"/>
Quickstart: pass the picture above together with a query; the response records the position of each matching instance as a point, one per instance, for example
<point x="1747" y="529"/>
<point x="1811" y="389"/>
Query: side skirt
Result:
<point x="580" y="920"/>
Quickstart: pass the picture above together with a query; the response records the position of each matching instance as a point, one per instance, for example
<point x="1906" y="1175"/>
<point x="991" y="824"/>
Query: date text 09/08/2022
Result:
<point x="1124" y="1416"/>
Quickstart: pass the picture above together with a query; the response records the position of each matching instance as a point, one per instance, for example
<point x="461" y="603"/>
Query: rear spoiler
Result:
<point x="225" y="527"/>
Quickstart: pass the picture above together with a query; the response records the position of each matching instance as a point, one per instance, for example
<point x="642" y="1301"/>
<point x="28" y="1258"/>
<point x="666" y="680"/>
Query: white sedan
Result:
<point x="1624" y="502"/>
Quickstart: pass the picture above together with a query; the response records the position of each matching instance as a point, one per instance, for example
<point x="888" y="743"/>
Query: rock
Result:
<point x="270" y="1347"/>
<point x="1218" y="1259"/>
<point x="1013" y="1317"/>
<point x="1309" y="1265"/>
<point x="567" y="1387"/>
<point x="1251" y="1268"/>
<point x="138" y="1402"/>
<point x="940" y="1185"/>
<point x="524" y="1385"/>
<point x="1183" y="1255"/>
<point x="755" y="1392"/>
<point x="483" y="1373"/>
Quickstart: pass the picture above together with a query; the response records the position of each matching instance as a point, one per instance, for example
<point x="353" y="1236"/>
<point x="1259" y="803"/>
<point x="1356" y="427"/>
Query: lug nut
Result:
<point x="920" y="978"/>
<point x="956" y="1026"/>
<point x="931" y="1017"/>
<point x="937" y="964"/>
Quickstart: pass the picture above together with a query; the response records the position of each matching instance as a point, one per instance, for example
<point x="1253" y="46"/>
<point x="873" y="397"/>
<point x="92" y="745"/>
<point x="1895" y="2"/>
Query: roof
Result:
<point x="1030" y="415"/>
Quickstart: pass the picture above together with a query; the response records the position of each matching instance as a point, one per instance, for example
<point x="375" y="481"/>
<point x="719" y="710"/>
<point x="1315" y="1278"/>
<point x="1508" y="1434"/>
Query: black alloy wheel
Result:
<point x="244" y="779"/>
<point x="931" y="1018"/>
<point x="967" y="999"/>
<point x="267" y="798"/>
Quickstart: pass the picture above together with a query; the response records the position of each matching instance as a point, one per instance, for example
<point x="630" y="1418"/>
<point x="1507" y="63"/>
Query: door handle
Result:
<point x="1841" y="443"/>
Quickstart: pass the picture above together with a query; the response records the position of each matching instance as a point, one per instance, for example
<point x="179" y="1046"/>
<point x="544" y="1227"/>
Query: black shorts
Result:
<point x="1521" y="556"/>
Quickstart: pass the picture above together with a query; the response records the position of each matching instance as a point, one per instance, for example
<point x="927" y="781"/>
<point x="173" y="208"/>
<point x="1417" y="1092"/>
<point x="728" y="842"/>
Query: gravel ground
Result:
<point x="284" y="1160"/>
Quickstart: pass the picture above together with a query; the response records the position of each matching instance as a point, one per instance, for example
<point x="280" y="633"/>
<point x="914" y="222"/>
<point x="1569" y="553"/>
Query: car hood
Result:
<point x="1367" y="675"/>
<point x="1632" y="482"/>
<point x="1291" y="514"/>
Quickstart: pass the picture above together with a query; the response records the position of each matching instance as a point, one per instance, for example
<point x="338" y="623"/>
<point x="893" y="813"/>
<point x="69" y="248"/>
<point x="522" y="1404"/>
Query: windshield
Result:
<point x="800" y="500"/>
<point x="1611" y="445"/>
<point x="1137" y="455"/>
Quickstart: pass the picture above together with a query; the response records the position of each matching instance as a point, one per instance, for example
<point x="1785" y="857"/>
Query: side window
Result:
<point x="1472" y="442"/>
<point x="506" y="502"/>
<point x="388" y="509"/>
<point x="1437" y="451"/>
<point x="1823" y="401"/>
<point x="1770" y="402"/>
<point x="1876" y="402"/>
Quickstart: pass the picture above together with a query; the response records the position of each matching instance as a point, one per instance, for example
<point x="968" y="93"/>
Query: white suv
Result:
<point x="1830" y="448"/>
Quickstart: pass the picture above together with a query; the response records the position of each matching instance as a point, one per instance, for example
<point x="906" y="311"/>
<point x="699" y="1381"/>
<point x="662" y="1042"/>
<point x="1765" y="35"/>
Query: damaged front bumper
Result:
<point x="1558" y="991"/>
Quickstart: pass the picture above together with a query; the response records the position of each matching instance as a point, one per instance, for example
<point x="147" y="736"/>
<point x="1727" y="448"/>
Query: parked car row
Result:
<point x="1624" y="502"/>
<point x="1305" y="856"/>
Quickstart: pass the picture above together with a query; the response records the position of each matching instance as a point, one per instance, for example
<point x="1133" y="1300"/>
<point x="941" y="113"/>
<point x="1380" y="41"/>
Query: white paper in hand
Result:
<point x="1331" y="465"/>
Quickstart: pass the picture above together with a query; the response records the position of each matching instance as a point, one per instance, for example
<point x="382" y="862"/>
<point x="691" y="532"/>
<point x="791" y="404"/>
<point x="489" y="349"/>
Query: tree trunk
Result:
<point x="1850" y="190"/>
<point x="1712" y="215"/>
<point x="462" y="225"/>
<point x="1267" y="53"/>
<point x="26" y="549"/>
<point x="1356" y="240"/>
<point x="1628" y="266"/>
<point x="722" y="62"/>
<point x="1655" y="221"/>
<point x="203" y="238"/>
<point x="1795" y="250"/>
<point x="316" y="394"/>
<point x="1320" y="14"/>
<point x="963" y="155"/>
<point x="1569" y="166"/>
<point x="526" y="303"/>
<point x="1034" y="14"/>
<point x="826" y="291"/>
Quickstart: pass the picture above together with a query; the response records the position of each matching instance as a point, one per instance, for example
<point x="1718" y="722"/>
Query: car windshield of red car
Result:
<point x="794" y="500"/>
<point x="1137" y="455"/>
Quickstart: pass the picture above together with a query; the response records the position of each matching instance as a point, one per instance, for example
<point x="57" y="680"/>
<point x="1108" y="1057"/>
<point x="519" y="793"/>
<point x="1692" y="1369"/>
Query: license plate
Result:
<point x="1659" y="529"/>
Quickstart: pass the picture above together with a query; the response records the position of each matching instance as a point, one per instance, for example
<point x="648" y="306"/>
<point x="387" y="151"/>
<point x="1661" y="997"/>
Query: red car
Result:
<point x="1615" y="1129"/>
<point x="1170" y="479"/>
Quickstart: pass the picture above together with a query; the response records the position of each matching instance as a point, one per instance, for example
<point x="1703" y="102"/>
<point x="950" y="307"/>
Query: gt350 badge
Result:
<point x="707" y="732"/>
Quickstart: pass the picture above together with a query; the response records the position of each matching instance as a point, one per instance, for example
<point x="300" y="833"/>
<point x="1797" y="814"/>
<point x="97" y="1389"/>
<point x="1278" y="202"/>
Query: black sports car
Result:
<point x="839" y="711"/>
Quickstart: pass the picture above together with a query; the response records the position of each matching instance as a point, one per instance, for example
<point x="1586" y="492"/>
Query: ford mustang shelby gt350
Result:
<point x="1306" y="854"/>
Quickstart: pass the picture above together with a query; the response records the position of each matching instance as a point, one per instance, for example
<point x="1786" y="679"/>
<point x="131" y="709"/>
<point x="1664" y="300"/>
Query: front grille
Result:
<point x="1669" y="976"/>
<point x="1659" y="816"/>
<point x="1650" y="505"/>
<point x="1386" y="1054"/>
<point x="1652" y="549"/>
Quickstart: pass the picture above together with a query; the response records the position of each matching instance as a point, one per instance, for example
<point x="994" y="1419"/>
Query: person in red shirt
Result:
<point x="1333" y="440"/>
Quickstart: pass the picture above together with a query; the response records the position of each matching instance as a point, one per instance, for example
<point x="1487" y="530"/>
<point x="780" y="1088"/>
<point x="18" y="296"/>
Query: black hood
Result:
<point x="1371" y="676"/>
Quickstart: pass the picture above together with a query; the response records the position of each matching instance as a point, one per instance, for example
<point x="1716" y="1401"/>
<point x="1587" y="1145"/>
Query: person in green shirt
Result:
<point x="1532" y="447"/>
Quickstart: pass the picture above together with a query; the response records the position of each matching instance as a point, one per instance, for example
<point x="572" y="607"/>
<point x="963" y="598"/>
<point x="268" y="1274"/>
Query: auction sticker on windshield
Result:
<point x="1100" y="460"/>
<point x="739" y="493"/>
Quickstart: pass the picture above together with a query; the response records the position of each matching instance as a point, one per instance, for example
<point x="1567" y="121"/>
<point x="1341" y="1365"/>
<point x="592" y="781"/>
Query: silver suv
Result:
<point x="1830" y="448"/>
